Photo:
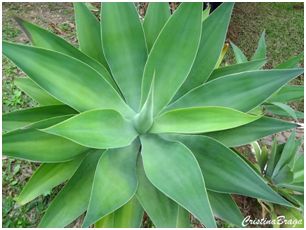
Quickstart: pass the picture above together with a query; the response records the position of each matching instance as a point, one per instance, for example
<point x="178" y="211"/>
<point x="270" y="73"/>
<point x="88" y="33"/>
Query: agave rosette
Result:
<point x="140" y="118"/>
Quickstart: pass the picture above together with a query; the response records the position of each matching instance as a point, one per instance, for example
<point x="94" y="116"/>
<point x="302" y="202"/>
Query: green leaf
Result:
<point x="90" y="6"/>
<point x="261" y="50"/>
<point x="237" y="68"/>
<point x="35" y="92"/>
<point x="73" y="199"/>
<point x="274" y="157"/>
<point x="299" y="187"/>
<point x="174" y="52"/>
<point x="257" y="111"/>
<point x="286" y="108"/>
<point x="298" y="198"/>
<point x="291" y="63"/>
<point x="182" y="218"/>
<point x="34" y="145"/>
<point x="258" y="153"/>
<point x="284" y="176"/>
<point x="172" y="168"/>
<point x="46" y="177"/>
<point x="206" y="13"/>
<point x="298" y="168"/>
<point x="288" y="93"/>
<point x="81" y="86"/>
<point x="124" y="48"/>
<point x="163" y="211"/>
<point x="225" y="208"/>
<point x="239" y="55"/>
<point x="88" y="32"/>
<point x="251" y="132"/>
<point x="143" y="121"/>
<point x="45" y="39"/>
<point x="236" y="176"/>
<point x="115" y="182"/>
<point x="242" y="91"/>
<point x="214" y="31"/>
<point x="295" y="215"/>
<point x="272" y="109"/>
<point x="287" y="155"/>
<point x="200" y="120"/>
<point x="96" y="129"/>
<point x="21" y="118"/>
<point x="156" y="17"/>
<point x="128" y="216"/>
<point x="221" y="57"/>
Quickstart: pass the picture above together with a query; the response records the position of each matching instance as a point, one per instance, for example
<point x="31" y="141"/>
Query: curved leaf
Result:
<point x="115" y="182"/>
<point x="96" y="129"/>
<point x="286" y="108"/>
<point x="73" y="199"/>
<point x="284" y="176"/>
<point x="274" y="156"/>
<point x="236" y="176"/>
<point x="251" y="132"/>
<point x="170" y="50"/>
<point x="156" y="17"/>
<point x="34" y="145"/>
<point x="124" y="48"/>
<point x="35" y="92"/>
<point x="45" y="39"/>
<point x="272" y="109"/>
<point x="239" y="55"/>
<point x="88" y="32"/>
<point x="21" y="118"/>
<point x="237" y="68"/>
<point x="172" y="168"/>
<point x="261" y="50"/>
<point x="81" y="86"/>
<point x="200" y="120"/>
<point x="214" y="31"/>
<point x="287" y="154"/>
<point x="128" y="216"/>
<point x="291" y="63"/>
<point x="225" y="208"/>
<point x="46" y="177"/>
<point x="163" y="211"/>
<point x="243" y="91"/>
<point x="288" y="93"/>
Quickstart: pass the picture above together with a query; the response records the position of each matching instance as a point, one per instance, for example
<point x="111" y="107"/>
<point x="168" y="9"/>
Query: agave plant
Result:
<point x="140" y="118"/>
<point x="283" y="166"/>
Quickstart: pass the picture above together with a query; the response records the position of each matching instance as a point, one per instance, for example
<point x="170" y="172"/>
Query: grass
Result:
<point x="284" y="25"/>
<point x="284" y="34"/>
<point x="14" y="176"/>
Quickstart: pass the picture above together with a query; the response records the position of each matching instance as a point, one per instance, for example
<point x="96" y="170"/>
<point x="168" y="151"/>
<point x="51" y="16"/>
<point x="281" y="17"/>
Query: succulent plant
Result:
<point x="140" y="118"/>
<point x="283" y="166"/>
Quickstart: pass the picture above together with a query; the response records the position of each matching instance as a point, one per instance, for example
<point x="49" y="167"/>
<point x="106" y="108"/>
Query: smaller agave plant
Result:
<point x="140" y="118"/>
<point x="283" y="166"/>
